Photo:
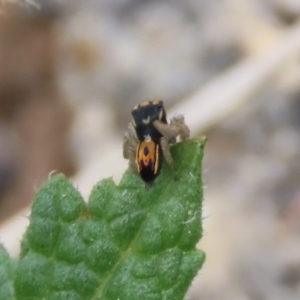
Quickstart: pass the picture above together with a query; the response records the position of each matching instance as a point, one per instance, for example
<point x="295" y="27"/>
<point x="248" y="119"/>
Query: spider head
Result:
<point x="148" y="111"/>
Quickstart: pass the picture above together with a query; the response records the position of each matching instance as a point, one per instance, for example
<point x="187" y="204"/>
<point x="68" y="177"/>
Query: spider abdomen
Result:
<point x="148" y="159"/>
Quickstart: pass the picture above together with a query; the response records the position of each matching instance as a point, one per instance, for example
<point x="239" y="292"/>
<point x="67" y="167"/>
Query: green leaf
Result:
<point x="126" y="243"/>
<point x="6" y="275"/>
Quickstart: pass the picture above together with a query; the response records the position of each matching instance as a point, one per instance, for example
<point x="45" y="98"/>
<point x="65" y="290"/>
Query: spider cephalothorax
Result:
<point x="149" y="136"/>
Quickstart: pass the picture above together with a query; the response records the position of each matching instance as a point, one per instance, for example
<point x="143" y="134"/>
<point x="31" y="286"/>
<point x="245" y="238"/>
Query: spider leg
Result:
<point x="168" y="132"/>
<point x="166" y="151"/>
<point x="182" y="129"/>
<point x="177" y="127"/>
<point x="130" y="144"/>
<point x="167" y="154"/>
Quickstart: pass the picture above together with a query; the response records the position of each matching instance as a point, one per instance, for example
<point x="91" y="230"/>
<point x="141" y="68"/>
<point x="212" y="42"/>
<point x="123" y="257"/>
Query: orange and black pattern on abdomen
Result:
<point x="148" y="159"/>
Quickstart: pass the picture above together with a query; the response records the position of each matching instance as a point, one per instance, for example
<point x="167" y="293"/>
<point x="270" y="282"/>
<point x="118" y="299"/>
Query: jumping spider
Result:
<point x="148" y="138"/>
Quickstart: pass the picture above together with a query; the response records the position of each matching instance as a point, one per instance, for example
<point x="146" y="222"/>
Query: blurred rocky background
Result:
<point x="70" y="72"/>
